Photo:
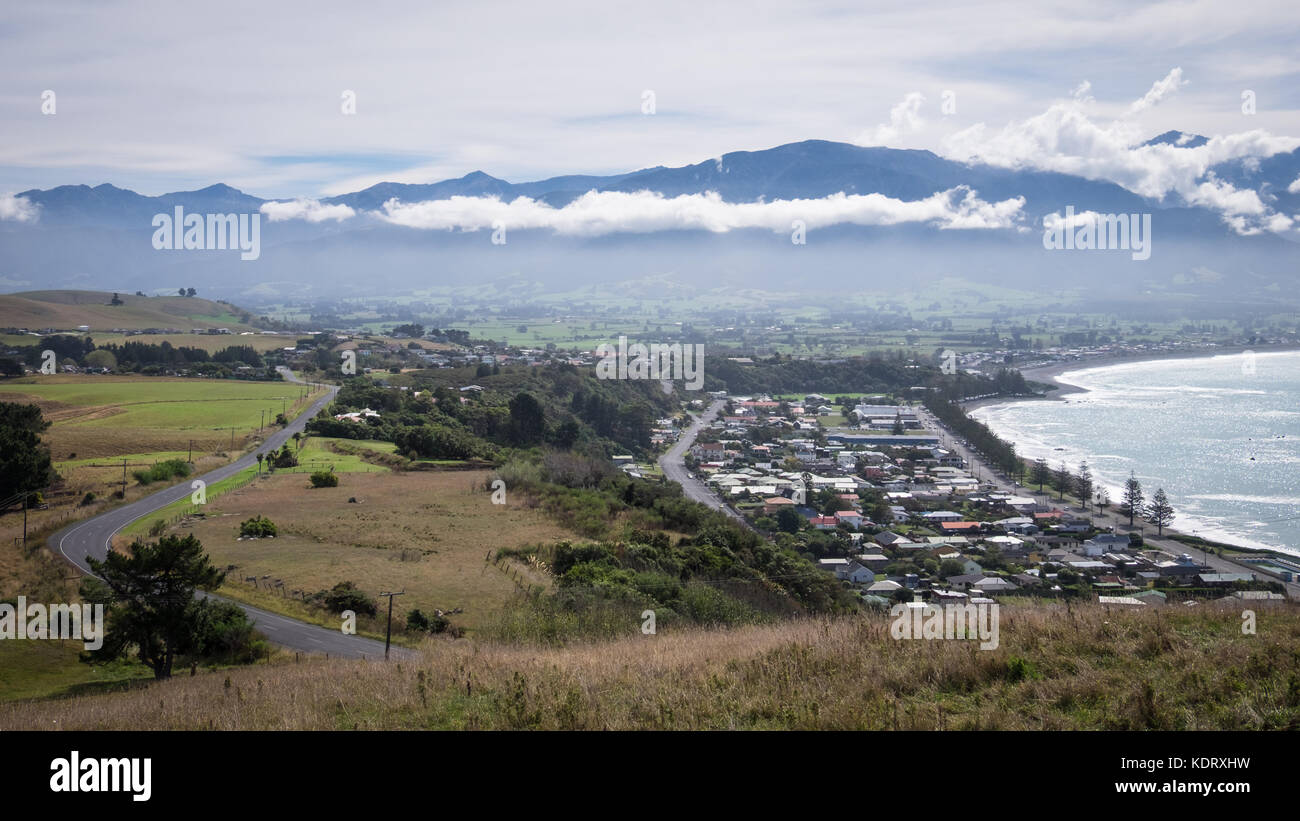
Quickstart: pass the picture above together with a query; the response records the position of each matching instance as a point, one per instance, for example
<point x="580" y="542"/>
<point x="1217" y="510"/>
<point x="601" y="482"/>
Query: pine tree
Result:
<point x="1083" y="484"/>
<point x="1134" y="503"/>
<point x="1161" y="513"/>
<point x="1040" y="474"/>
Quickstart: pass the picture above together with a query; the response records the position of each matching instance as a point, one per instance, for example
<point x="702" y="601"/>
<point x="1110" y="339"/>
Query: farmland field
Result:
<point x="103" y="416"/>
<point x="425" y="532"/>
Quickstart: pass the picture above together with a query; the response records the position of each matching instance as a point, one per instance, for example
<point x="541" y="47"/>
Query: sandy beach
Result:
<point x="1048" y="373"/>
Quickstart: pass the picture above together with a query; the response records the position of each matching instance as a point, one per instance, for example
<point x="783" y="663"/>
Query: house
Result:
<point x="1124" y="601"/>
<point x="942" y="516"/>
<point x="836" y="566"/>
<point x="772" y="504"/>
<point x="873" y="561"/>
<point x="888" y="538"/>
<point x="823" y="522"/>
<point x="993" y="584"/>
<point x="1105" y="543"/>
<point x="884" y="588"/>
<point x="852" y="518"/>
<point x="1151" y="597"/>
<point x="964" y="581"/>
<point x="1223" y="579"/>
<point x="859" y="574"/>
<point x="707" y="451"/>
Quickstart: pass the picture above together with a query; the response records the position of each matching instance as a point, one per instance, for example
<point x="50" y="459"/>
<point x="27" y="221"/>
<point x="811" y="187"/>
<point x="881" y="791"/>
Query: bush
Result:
<point x="257" y="527"/>
<point x="87" y="499"/>
<point x="346" y="596"/>
<point x="324" y="478"/>
<point x="415" y="620"/>
<point x="158" y="528"/>
<point x="162" y="471"/>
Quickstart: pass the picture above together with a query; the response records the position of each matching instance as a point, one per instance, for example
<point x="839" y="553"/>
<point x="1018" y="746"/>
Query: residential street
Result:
<point x="673" y="464"/>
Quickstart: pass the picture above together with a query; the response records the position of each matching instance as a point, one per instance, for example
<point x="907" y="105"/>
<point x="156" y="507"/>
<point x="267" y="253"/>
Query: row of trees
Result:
<point x="1134" y="505"/>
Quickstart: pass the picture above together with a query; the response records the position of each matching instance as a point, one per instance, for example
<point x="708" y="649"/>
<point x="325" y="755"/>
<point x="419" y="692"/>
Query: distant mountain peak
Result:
<point x="1180" y="139"/>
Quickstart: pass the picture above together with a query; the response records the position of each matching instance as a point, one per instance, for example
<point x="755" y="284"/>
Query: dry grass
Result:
<point x="425" y="532"/>
<point x="1085" y="668"/>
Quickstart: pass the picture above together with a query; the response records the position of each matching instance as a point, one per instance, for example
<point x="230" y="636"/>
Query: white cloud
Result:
<point x="19" y="209"/>
<point x="1294" y="187"/>
<point x="306" y="209"/>
<point x="1159" y="91"/>
<point x="596" y="213"/>
<point x="904" y="118"/>
<point x="1066" y="139"/>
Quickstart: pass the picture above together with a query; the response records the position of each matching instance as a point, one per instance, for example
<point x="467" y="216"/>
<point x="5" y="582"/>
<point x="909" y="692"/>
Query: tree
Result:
<point x="24" y="460"/>
<point x="180" y="291"/>
<point x="1040" y="474"/>
<point x="898" y="424"/>
<point x="100" y="359"/>
<point x="1062" y="479"/>
<point x="1134" y="503"/>
<point x="527" y="419"/>
<point x="117" y="300"/>
<point x="1083" y="485"/>
<point x="788" y="519"/>
<point x="190" y="292"/>
<point x="951" y="567"/>
<point x="1161" y="513"/>
<point x="260" y="457"/>
<point x="150" y="596"/>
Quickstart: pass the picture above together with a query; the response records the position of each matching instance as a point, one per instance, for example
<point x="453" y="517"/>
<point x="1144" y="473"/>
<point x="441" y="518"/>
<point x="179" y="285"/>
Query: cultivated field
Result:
<point x="426" y="532"/>
<point x="1082" y="668"/>
<point x="114" y="416"/>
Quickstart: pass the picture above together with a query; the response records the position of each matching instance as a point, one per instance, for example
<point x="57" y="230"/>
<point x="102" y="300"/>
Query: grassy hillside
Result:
<point x="66" y="310"/>
<point x="1082" y="668"/>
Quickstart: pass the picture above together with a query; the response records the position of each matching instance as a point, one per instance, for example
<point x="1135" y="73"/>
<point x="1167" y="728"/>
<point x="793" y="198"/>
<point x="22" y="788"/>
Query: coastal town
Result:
<point x="881" y="495"/>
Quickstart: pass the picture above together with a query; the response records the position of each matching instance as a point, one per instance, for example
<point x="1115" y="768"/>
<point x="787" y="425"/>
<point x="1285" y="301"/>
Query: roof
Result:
<point x="1120" y="600"/>
<point x="959" y="525"/>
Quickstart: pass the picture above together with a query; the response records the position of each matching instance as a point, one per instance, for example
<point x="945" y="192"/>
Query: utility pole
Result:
<point x="25" y="498"/>
<point x="262" y="424"/>
<point x="123" y="478"/>
<point x="388" y="635"/>
<point x="190" y="458"/>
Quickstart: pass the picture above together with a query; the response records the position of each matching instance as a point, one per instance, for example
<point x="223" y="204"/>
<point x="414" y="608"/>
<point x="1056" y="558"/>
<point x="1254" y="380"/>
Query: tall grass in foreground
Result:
<point x="1056" y="668"/>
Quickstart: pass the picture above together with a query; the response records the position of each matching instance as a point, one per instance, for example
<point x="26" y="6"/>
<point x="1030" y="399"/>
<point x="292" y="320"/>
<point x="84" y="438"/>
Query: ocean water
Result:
<point x="1220" y="434"/>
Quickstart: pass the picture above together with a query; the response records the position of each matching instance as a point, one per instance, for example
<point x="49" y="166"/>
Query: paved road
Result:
<point x="1111" y="518"/>
<point x="92" y="537"/>
<point x="673" y="464"/>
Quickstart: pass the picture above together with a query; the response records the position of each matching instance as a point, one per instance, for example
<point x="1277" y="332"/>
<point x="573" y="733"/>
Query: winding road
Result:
<point x="93" y="536"/>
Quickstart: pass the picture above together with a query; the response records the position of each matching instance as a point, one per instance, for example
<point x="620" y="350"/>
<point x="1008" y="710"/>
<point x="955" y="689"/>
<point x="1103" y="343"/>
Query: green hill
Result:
<point x="66" y="310"/>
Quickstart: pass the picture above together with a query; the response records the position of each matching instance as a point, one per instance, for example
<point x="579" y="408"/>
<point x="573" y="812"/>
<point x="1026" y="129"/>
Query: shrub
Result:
<point x="162" y="471"/>
<point x="324" y="478"/>
<point x="88" y="498"/>
<point x="415" y="620"/>
<point x="346" y="596"/>
<point x="257" y="527"/>
<point x="157" y="528"/>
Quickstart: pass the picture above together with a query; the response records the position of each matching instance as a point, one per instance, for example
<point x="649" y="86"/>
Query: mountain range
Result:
<point x="100" y="236"/>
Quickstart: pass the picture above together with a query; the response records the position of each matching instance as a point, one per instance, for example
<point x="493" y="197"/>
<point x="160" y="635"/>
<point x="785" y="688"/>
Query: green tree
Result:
<point x="1040" y="474"/>
<point x="1083" y="485"/>
<point x="789" y="520"/>
<point x="1161" y="513"/>
<point x="951" y="567"/>
<point x="527" y="419"/>
<point x="149" y="593"/>
<point x="24" y="459"/>
<point x="1062" y="479"/>
<point x="1133" y="503"/>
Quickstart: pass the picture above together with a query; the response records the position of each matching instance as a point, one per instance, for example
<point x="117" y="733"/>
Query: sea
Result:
<point x="1220" y="434"/>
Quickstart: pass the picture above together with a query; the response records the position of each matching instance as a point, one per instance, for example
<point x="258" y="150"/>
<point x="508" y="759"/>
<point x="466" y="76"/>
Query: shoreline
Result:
<point x="1049" y="372"/>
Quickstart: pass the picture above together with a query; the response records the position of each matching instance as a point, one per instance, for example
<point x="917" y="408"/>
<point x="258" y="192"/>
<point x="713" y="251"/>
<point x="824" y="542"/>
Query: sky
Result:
<point x="161" y="97"/>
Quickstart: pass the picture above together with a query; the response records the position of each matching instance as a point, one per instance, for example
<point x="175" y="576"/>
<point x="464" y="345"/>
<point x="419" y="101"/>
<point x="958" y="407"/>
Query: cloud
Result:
<point x="306" y="209"/>
<point x="1066" y="139"/>
<point x="1294" y="187"/>
<point x="1159" y="91"/>
<point x="19" y="209"/>
<point x="597" y="213"/>
<point x="904" y="118"/>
